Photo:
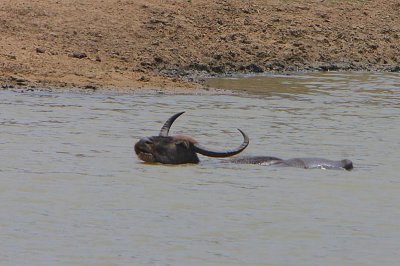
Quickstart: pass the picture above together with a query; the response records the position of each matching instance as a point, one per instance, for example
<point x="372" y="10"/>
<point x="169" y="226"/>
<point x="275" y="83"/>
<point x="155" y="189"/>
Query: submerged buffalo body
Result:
<point x="178" y="149"/>
<point x="307" y="163"/>
<point x="182" y="149"/>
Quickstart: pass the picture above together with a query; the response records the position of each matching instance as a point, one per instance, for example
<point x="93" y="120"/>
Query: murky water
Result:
<point x="73" y="193"/>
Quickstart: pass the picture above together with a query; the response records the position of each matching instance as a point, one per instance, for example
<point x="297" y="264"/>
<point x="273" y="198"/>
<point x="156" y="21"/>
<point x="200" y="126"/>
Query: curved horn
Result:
<point x="165" y="128"/>
<point x="198" y="148"/>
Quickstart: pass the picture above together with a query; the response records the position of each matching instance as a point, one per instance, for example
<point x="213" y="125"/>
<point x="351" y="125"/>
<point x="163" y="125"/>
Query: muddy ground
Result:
<point x="170" y="45"/>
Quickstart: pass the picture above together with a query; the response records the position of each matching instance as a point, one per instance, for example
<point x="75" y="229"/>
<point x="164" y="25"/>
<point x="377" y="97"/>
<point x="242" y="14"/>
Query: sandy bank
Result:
<point x="162" y="45"/>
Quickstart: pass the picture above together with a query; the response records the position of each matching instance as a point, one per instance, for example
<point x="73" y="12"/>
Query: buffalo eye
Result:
<point x="148" y="141"/>
<point x="183" y="143"/>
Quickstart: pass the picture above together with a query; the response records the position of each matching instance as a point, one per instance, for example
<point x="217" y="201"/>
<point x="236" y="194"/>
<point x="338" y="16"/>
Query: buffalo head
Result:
<point x="178" y="149"/>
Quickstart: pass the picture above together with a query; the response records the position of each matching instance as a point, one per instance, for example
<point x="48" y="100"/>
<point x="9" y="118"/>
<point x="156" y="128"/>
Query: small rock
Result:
<point x="90" y="87"/>
<point x="217" y="56"/>
<point x="98" y="59"/>
<point x="40" y="50"/>
<point x="199" y="67"/>
<point x="395" y="69"/>
<point x="254" y="68"/>
<point x="328" y="67"/>
<point x="158" y="60"/>
<point x="18" y="80"/>
<point x="144" y="79"/>
<point x="78" y="55"/>
<point x="373" y="46"/>
<point x="218" y="69"/>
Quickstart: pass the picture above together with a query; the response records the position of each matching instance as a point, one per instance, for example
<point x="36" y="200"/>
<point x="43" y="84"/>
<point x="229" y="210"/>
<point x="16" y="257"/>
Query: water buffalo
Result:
<point x="307" y="163"/>
<point x="178" y="149"/>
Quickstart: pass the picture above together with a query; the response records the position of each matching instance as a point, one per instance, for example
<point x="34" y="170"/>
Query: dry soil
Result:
<point x="169" y="45"/>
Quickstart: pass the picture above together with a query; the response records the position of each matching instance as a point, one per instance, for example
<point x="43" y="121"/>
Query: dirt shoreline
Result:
<point x="170" y="46"/>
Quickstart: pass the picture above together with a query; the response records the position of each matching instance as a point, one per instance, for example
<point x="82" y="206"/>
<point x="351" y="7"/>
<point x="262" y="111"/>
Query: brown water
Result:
<point x="73" y="193"/>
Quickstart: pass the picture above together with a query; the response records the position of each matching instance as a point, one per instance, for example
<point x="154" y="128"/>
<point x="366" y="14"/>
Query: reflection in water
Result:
<point x="73" y="192"/>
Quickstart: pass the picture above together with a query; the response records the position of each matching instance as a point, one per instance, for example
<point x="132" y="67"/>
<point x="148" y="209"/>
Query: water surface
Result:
<point x="73" y="192"/>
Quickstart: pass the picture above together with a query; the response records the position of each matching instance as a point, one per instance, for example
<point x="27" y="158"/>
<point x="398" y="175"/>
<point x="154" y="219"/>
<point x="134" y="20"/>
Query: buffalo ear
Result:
<point x="183" y="143"/>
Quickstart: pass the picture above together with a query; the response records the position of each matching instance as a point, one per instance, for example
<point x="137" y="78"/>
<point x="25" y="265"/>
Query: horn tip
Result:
<point x="244" y="135"/>
<point x="241" y="131"/>
<point x="178" y="114"/>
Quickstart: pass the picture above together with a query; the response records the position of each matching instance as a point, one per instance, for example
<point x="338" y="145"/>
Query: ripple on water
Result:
<point x="68" y="175"/>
